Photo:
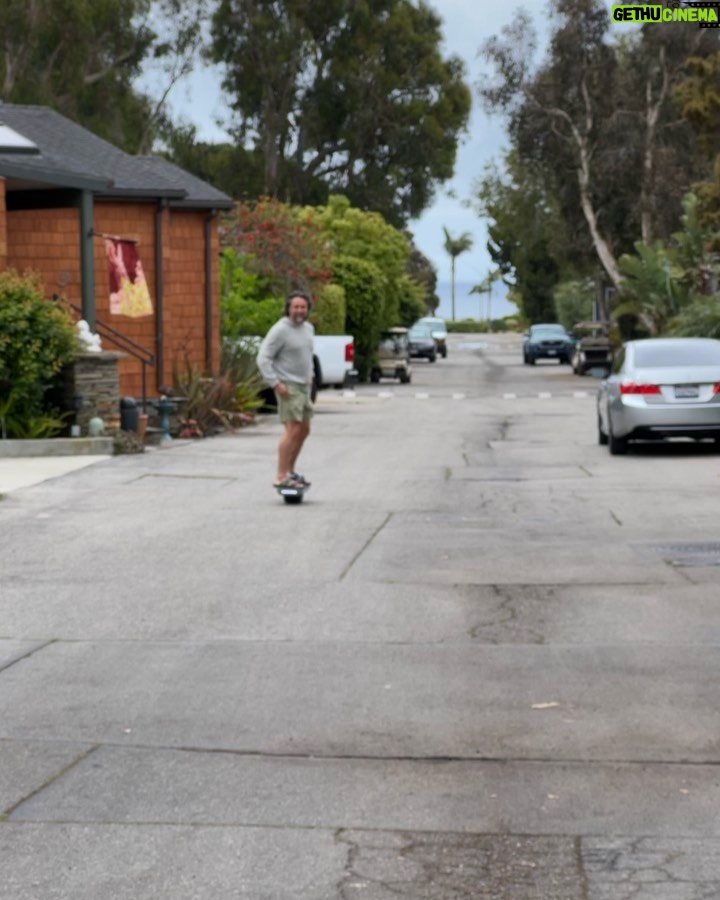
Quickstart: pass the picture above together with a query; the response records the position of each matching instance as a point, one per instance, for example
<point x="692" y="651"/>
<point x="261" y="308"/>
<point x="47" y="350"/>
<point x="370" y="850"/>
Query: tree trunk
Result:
<point x="653" y="106"/>
<point x="452" y="285"/>
<point x="580" y="136"/>
<point x="602" y="248"/>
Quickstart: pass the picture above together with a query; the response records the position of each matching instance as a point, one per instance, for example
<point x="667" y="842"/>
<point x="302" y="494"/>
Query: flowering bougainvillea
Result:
<point x="285" y="247"/>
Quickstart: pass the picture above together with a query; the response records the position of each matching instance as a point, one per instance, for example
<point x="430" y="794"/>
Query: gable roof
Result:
<point x="69" y="155"/>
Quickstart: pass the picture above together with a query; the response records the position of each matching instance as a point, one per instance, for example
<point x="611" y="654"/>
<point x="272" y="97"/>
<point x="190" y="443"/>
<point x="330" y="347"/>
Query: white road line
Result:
<point x="422" y="395"/>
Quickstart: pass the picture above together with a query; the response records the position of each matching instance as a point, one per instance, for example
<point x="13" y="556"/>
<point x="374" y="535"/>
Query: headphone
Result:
<point x="292" y="295"/>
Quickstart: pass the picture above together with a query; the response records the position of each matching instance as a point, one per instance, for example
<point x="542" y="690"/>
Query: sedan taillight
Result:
<point x="630" y="387"/>
<point x="716" y="389"/>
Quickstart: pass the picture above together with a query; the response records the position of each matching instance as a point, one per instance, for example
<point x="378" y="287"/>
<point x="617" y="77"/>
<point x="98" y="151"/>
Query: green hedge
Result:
<point x="481" y="326"/>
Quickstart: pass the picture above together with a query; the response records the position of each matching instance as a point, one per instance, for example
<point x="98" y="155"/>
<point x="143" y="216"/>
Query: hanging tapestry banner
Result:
<point x="129" y="294"/>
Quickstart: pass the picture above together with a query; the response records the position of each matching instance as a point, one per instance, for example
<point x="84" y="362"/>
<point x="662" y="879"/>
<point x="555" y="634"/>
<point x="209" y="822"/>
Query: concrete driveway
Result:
<point x="479" y="661"/>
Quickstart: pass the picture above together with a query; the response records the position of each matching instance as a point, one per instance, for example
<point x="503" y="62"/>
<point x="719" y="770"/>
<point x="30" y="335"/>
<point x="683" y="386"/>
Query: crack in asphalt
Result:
<point x="31" y="652"/>
<point x="433" y="865"/>
<point x="365" y="546"/>
<point x="637" y="868"/>
<point x="315" y="756"/>
<point x="48" y="781"/>
<point x="506" y="613"/>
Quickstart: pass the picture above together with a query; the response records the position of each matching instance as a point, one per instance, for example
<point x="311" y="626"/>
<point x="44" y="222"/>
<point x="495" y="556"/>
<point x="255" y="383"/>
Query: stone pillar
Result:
<point x="92" y="386"/>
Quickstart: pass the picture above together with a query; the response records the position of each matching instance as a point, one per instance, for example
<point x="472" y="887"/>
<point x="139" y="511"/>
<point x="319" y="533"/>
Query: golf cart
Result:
<point x="393" y="356"/>
<point x="593" y="347"/>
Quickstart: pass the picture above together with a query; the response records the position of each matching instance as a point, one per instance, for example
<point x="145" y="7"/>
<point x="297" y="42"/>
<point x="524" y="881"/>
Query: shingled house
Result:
<point x="62" y="189"/>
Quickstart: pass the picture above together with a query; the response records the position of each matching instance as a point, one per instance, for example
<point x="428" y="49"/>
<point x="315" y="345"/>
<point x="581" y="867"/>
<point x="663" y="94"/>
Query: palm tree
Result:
<point x="486" y="287"/>
<point x="454" y="247"/>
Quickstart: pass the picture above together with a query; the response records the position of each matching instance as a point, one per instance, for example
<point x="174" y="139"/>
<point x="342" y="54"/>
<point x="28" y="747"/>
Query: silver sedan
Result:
<point x="661" y="388"/>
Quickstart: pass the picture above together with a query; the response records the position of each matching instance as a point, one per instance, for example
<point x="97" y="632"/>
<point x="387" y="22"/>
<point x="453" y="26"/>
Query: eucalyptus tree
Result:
<point x="527" y="236"/>
<point x="556" y="112"/>
<point x="344" y="96"/>
<point x="83" y="58"/>
<point x="654" y="64"/>
<point x="597" y="117"/>
<point x="698" y="96"/>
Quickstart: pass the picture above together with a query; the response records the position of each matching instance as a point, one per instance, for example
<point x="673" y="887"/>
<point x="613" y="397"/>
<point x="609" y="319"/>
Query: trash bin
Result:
<point x="129" y="415"/>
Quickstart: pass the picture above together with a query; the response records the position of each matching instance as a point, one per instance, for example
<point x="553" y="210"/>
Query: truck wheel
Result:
<point x="404" y="377"/>
<point x="317" y="379"/>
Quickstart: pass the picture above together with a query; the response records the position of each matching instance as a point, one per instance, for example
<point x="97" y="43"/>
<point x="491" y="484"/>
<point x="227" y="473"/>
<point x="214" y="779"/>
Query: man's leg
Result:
<point x="299" y="436"/>
<point x="295" y="413"/>
<point x="290" y="446"/>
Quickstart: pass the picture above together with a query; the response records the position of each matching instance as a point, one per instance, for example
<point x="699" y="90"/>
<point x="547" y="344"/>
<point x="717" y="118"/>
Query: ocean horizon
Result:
<point x="473" y="306"/>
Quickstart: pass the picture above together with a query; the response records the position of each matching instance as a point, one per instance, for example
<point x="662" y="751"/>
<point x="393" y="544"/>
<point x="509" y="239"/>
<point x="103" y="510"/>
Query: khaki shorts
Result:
<point x="296" y="407"/>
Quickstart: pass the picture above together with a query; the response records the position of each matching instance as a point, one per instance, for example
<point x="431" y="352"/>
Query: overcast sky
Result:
<point x="467" y="24"/>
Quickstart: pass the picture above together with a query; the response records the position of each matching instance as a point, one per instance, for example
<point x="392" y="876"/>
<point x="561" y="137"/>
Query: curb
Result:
<point x="83" y="446"/>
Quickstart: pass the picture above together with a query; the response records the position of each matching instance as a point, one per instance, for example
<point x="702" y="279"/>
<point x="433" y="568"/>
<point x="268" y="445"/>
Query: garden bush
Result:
<point x="37" y="338"/>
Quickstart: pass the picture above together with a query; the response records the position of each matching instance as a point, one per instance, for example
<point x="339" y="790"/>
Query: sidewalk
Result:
<point x="27" y="462"/>
<point x="20" y="472"/>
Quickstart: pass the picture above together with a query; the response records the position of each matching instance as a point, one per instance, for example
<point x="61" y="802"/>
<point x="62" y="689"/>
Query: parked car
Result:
<point x="421" y="342"/>
<point x="393" y="357"/>
<point x="661" y="388"/>
<point x="547" y="341"/>
<point x="593" y="348"/>
<point x="439" y="333"/>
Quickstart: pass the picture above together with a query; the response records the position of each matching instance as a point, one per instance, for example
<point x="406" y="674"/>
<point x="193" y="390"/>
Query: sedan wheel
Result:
<point x="602" y="437"/>
<point x="617" y="446"/>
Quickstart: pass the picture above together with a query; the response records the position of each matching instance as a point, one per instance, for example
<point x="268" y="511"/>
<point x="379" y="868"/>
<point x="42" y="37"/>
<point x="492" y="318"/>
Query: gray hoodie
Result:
<point x="286" y="353"/>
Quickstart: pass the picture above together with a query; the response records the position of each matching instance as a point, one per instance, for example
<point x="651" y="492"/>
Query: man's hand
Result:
<point x="281" y="389"/>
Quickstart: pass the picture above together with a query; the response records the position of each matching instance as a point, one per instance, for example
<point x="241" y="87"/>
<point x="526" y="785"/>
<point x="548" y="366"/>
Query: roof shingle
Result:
<point x="71" y="156"/>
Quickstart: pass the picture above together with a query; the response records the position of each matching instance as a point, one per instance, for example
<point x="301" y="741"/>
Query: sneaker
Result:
<point x="299" y="479"/>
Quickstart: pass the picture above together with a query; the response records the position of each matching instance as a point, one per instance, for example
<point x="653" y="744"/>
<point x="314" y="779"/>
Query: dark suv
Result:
<point x="547" y="341"/>
<point x="422" y="343"/>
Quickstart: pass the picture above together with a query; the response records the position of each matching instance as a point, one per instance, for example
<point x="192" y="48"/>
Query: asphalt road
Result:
<point x="479" y="661"/>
